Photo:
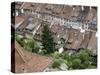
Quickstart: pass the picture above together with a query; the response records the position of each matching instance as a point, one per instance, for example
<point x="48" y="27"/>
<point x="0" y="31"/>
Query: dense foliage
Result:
<point x="81" y="59"/>
<point x="47" y="39"/>
<point x="78" y="60"/>
<point x="28" y="44"/>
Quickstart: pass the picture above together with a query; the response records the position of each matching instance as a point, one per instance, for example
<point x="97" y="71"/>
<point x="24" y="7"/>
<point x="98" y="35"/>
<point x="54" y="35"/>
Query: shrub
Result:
<point x="30" y="45"/>
<point x="42" y="52"/>
<point x="36" y="49"/>
<point x="55" y="55"/>
<point x="80" y="60"/>
<point x="76" y="63"/>
<point x="64" y="56"/>
<point x="56" y="64"/>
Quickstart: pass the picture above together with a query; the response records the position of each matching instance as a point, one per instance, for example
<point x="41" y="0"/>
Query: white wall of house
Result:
<point x="96" y="35"/>
<point x="82" y="8"/>
<point x="16" y="13"/>
<point x="61" y="50"/>
<point x="22" y="11"/>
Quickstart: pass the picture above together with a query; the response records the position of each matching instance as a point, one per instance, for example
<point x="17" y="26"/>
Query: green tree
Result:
<point x="18" y="39"/>
<point x="47" y="39"/>
<point x="30" y="45"/>
<point x="81" y="60"/>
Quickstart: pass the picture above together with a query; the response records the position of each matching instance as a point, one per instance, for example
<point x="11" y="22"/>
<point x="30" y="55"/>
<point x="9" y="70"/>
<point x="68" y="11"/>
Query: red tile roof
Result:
<point x="28" y="62"/>
<point x="18" y="19"/>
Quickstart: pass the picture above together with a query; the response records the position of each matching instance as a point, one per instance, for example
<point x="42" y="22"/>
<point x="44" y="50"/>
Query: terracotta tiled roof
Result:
<point x="93" y="43"/>
<point x="18" y="19"/>
<point x="55" y="28"/>
<point x="92" y="14"/>
<point x="18" y="5"/>
<point x="28" y="62"/>
<point x="86" y="39"/>
<point x="73" y="41"/>
<point x="65" y="11"/>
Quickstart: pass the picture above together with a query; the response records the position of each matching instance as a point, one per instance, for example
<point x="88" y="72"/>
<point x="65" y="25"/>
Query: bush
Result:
<point x="28" y="44"/>
<point x="80" y="60"/>
<point x="55" y="55"/>
<point x="64" y="55"/>
<point x="31" y="45"/>
<point x="56" y="64"/>
<point x="19" y="40"/>
<point x="83" y="54"/>
<point x="42" y="52"/>
<point x="36" y="49"/>
<point x="76" y="63"/>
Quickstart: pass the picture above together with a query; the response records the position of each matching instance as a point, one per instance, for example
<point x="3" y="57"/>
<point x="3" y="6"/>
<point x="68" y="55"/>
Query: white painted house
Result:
<point x="61" y="50"/>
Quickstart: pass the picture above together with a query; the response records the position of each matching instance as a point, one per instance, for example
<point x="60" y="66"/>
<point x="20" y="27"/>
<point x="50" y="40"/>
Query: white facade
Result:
<point x="61" y="50"/>
<point x="16" y="13"/>
<point x="22" y="11"/>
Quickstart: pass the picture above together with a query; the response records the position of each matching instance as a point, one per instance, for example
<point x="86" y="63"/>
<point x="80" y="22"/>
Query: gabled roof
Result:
<point x="86" y="39"/>
<point x="66" y="12"/>
<point x="73" y="40"/>
<point x="29" y="62"/>
<point x="18" y="20"/>
<point x="91" y="14"/>
<point x="18" y="5"/>
<point x="92" y="46"/>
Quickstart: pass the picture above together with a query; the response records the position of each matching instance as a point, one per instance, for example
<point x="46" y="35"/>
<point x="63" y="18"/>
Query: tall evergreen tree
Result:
<point x="47" y="39"/>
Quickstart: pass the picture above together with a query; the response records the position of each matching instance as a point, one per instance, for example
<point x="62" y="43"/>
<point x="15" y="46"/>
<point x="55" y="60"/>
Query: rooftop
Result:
<point x="28" y="62"/>
<point x="18" y="20"/>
